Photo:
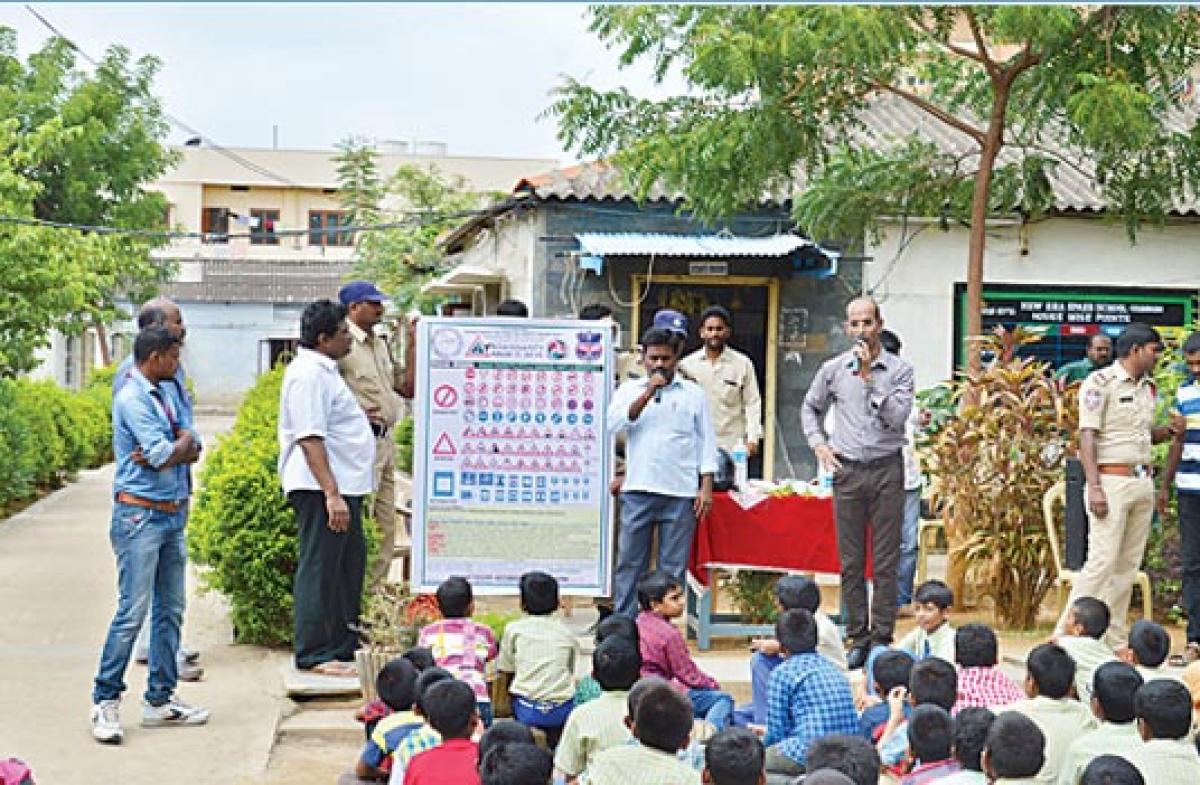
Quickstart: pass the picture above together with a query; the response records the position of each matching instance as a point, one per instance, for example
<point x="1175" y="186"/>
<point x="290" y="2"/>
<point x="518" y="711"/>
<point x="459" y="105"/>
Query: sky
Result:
<point x="474" y="76"/>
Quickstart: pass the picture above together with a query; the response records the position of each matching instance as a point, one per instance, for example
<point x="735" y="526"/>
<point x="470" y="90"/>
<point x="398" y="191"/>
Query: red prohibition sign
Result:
<point x="445" y="396"/>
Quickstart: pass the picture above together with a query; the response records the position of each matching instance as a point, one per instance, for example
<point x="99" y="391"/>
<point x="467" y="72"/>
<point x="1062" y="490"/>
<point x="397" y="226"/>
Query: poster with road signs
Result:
<point x="511" y="464"/>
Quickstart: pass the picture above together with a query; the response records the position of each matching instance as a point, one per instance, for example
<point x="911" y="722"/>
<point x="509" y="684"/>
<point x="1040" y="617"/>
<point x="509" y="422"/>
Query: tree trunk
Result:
<point x="102" y="340"/>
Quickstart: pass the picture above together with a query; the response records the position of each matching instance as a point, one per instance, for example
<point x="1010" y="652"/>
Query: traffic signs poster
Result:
<point x="511" y="462"/>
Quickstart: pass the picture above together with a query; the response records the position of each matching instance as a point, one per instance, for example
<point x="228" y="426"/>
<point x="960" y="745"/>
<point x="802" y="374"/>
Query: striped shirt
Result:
<point x="422" y="739"/>
<point x="636" y="764"/>
<point x="1187" y="403"/>
<point x="387" y="735"/>
<point x="590" y="730"/>
<point x="540" y="652"/>
<point x="988" y="687"/>
<point x="462" y="647"/>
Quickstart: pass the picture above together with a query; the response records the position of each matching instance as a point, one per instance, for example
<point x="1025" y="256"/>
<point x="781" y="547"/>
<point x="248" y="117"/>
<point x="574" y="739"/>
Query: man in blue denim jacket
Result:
<point x="150" y="489"/>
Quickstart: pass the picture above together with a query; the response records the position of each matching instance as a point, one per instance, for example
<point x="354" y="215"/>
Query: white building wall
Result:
<point x="916" y="286"/>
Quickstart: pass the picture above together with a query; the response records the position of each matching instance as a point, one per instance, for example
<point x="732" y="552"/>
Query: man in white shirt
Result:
<point x="670" y="461"/>
<point x="326" y="455"/>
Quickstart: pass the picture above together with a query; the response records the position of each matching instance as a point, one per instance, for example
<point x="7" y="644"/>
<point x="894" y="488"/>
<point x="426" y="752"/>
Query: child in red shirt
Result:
<point x="451" y="710"/>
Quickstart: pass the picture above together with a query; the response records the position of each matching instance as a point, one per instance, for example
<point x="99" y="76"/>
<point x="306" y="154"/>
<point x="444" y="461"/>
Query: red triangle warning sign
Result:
<point x="444" y="445"/>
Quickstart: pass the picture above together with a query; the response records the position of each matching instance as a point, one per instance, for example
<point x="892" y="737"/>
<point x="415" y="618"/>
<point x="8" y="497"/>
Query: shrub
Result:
<point x="404" y="445"/>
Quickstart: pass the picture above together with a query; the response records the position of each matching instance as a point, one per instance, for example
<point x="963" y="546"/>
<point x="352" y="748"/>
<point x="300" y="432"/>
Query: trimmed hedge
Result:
<point x="48" y="433"/>
<point x="241" y="526"/>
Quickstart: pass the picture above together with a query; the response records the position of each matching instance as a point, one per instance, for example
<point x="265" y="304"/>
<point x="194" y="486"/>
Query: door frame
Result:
<point x="638" y="281"/>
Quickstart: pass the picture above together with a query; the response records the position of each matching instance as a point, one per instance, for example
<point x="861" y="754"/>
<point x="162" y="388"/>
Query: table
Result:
<point x="788" y="534"/>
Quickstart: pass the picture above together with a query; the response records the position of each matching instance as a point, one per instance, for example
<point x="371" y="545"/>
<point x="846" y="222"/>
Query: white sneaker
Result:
<point x="106" y="722"/>
<point x="173" y="712"/>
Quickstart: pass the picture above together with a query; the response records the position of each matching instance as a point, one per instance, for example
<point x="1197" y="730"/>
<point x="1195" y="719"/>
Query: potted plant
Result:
<point x="392" y="618"/>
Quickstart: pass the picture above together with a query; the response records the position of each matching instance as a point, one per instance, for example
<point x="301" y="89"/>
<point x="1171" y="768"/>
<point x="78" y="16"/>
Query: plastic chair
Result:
<point x="1057" y="495"/>
<point x="931" y="537"/>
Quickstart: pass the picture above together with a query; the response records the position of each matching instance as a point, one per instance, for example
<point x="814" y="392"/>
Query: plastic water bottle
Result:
<point x="824" y="480"/>
<point x="741" y="466"/>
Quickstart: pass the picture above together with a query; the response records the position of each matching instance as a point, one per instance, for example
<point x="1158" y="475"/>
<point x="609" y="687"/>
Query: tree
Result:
<point x="416" y="206"/>
<point x="777" y="94"/>
<point x="78" y="148"/>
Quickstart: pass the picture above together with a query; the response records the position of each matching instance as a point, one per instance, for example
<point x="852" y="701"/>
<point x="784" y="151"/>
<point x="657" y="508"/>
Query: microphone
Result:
<point x="658" y="391"/>
<point x="860" y="362"/>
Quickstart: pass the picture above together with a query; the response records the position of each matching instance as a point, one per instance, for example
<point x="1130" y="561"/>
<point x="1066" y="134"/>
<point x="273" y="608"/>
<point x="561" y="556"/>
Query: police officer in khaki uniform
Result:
<point x="378" y="383"/>
<point x="729" y="382"/>
<point x="1116" y="429"/>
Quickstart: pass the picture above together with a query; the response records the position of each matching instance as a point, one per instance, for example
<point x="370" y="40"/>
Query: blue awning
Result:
<point x="808" y="257"/>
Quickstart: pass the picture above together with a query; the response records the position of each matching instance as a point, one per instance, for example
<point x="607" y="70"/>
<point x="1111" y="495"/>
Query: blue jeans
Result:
<point x="761" y="666"/>
<point x="151" y="577"/>
<point x="641" y="514"/>
<point x="712" y="705"/>
<point x="1189" y="543"/>
<point x="908" y="547"/>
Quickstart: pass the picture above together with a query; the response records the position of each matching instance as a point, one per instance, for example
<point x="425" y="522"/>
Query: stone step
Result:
<point x="327" y="724"/>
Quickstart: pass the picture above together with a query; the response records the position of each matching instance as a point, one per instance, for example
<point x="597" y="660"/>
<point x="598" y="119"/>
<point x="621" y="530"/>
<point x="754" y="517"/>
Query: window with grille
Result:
<point x="262" y="227"/>
<point x="325" y="228"/>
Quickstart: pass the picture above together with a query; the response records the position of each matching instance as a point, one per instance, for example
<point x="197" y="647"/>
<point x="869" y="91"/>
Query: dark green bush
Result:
<point x="404" y="445"/>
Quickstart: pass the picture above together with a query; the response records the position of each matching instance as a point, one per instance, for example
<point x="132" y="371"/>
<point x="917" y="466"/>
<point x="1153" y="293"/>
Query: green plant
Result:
<point x="497" y="620"/>
<point x="753" y="592"/>
<point x="992" y="463"/>
<point x="392" y="617"/>
<point x="404" y="445"/>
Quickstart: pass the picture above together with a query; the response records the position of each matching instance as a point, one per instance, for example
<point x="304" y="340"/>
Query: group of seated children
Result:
<point x="928" y="711"/>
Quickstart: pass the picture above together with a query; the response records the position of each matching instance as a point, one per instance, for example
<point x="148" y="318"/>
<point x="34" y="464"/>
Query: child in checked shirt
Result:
<point x="460" y="645"/>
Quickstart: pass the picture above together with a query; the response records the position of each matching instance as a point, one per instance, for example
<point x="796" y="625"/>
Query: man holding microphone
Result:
<point x="873" y="393"/>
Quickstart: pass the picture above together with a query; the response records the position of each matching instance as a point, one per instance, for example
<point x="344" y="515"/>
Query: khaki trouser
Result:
<point x="1116" y="544"/>
<point x="384" y="507"/>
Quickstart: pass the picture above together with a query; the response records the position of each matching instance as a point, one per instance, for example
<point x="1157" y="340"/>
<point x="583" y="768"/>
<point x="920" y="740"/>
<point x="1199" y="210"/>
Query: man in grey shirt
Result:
<point x="872" y="395"/>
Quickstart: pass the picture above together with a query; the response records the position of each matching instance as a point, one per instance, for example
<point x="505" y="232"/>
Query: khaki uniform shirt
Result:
<point x="1168" y="762"/>
<point x="371" y="374"/>
<point x="731" y="387"/>
<point x="1121" y="410"/>
<point x="1062" y="721"/>
<point x="1109" y="739"/>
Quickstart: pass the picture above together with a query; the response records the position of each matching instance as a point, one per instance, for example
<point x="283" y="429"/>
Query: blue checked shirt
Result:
<point x="807" y="698"/>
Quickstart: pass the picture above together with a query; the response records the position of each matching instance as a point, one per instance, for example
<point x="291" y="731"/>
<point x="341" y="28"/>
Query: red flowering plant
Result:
<point x="393" y="616"/>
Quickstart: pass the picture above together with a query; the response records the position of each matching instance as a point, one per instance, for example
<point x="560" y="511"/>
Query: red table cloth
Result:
<point x="782" y="533"/>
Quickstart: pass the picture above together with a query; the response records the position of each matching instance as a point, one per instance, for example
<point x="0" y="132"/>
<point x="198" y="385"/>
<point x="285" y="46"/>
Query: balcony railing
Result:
<point x="256" y="280"/>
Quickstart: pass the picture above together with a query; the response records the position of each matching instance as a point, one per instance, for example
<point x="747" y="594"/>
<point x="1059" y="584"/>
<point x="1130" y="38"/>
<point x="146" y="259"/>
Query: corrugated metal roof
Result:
<point x="648" y="244"/>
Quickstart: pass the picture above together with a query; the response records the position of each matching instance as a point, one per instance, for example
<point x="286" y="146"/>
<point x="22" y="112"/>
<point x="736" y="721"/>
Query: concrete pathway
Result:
<point x="57" y="596"/>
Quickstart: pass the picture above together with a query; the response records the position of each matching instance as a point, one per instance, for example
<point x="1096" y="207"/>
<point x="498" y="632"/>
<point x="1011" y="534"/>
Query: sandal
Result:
<point x="335" y="668"/>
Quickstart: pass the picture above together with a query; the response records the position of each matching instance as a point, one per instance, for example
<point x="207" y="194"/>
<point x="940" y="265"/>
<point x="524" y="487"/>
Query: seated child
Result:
<point x="930" y="736"/>
<point x="980" y="680"/>
<point x="421" y="657"/>
<point x="540" y="652"/>
<point x="503" y="732"/>
<point x="932" y="681"/>
<point x="612" y="625"/>
<point x="1111" y="770"/>
<point x="1149" y="647"/>
<point x="460" y="645"/>
<point x="516" y="764"/>
<point x="851" y="756"/>
<point x="662" y="722"/>
<point x="932" y="637"/>
<point x="892" y="669"/>
<point x="1087" y="621"/>
<point x="808" y="696"/>
<point x="600" y="724"/>
<point x="373" y="711"/>
<point x="692" y="755"/>
<point x="1014" y="750"/>
<point x="970" y="730"/>
<point x="733" y="757"/>
<point x="1050" y="672"/>
<point x="453" y="712"/>
<point x="791" y="592"/>
<point x="1191" y="678"/>
<point x="665" y="653"/>
<point x="396" y="685"/>
<point x="1164" y="715"/>
<point x="1113" y="688"/>
<point x="424" y="737"/>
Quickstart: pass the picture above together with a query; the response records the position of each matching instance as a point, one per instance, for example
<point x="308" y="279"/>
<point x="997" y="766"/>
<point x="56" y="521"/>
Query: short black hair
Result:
<point x="450" y="707"/>
<point x="1015" y="745"/>
<point x="1192" y="344"/>
<point x="1150" y="643"/>
<point x="1111" y="770"/>
<point x="1165" y="705"/>
<point x="425" y="683"/>
<point x="719" y="311"/>
<point x="153" y="340"/>
<point x="640" y="688"/>
<point x="891" y="669"/>
<point x="1134" y="335"/>
<point x="1052" y="670"/>
<point x="796" y="631"/>
<point x="930" y="729"/>
<point x="616" y="625"/>
<point x="454" y="597"/>
<point x="853" y="756"/>
<point x="890" y="342"/>
<point x="397" y="684"/>
<point x="1092" y="614"/>
<point x="656" y="336"/>
<point x="539" y="593"/>
<point x="515" y="764"/>
<point x="616" y="664"/>
<point x="421" y="657"/>
<point x="970" y="731"/>
<point x="594" y="312"/>
<point x="322" y="317"/>
<point x="1097" y="336"/>
<point x="654" y="586"/>
<point x="933" y="680"/>
<point x="1114" y="685"/>
<point x="934" y="592"/>
<point x="975" y="646"/>
<point x="734" y="756"/>
<point x="512" y="307"/>
<point x="504" y="731"/>
<point x="151" y="316"/>
<point x="798" y="591"/>
<point x="663" y="719"/>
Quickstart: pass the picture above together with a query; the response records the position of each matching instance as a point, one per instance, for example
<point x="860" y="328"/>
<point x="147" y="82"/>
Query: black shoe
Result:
<point x="857" y="656"/>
